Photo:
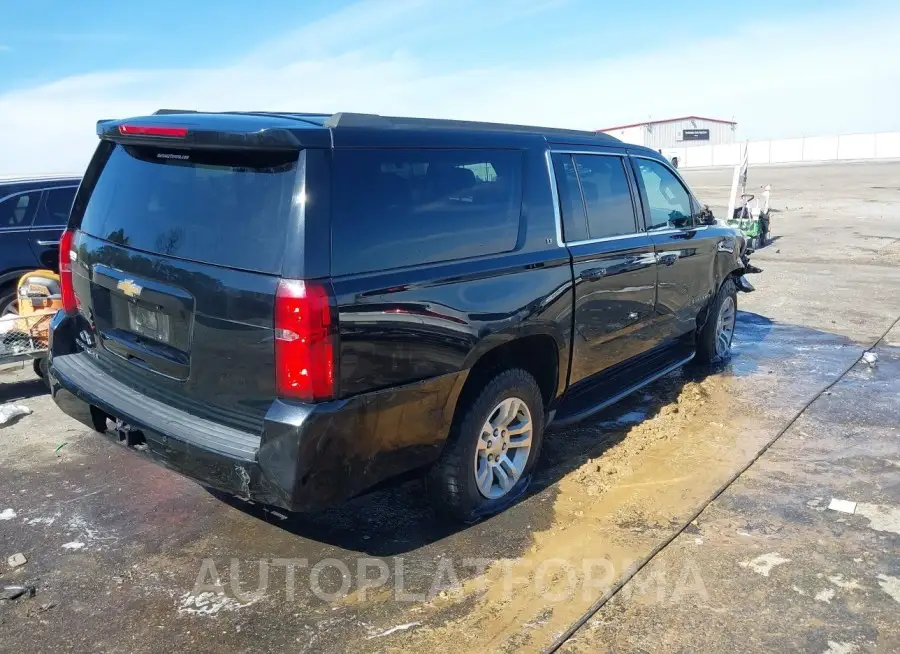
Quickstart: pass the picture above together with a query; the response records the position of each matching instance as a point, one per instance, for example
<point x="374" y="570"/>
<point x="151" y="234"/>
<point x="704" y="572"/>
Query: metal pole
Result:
<point x="735" y="180"/>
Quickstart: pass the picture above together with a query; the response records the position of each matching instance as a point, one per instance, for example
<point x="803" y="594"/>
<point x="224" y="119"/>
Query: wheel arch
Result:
<point x="541" y="352"/>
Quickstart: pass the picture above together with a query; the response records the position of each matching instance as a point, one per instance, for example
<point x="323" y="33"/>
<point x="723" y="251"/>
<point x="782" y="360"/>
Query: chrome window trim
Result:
<point x="554" y="191"/>
<point x="608" y="153"/>
<point x="12" y="230"/>
<point x="554" y="194"/>
<point x="675" y="230"/>
<point x="602" y="239"/>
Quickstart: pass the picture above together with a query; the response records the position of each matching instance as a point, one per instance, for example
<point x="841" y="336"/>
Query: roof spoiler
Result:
<point x="157" y="131"/>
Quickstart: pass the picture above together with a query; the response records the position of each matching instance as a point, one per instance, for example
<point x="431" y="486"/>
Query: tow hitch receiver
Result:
<point x="130" y="436"/>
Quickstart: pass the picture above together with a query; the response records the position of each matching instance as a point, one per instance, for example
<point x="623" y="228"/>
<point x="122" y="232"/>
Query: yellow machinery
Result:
<point x="24" y="335"/>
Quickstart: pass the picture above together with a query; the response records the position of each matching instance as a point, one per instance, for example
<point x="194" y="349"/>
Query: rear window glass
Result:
<point x="571" y="203"/>
<point x="607" y="196"/>
<point x="393" y="208"/>
<point x="220" y="207"/>
<point x="56" y="207"/>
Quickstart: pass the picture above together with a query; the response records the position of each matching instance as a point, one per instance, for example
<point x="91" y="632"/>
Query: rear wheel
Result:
<point x="492" y="449"/>
<point x="714" y="339"/>
<point x="40" y="369"/>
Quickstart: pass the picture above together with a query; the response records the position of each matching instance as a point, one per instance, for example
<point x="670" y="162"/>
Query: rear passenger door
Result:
<point x="17" y="209"/>
<point x="613" y="261"/>
<point x="685" y="248"/>
<point x="49" y="223"/>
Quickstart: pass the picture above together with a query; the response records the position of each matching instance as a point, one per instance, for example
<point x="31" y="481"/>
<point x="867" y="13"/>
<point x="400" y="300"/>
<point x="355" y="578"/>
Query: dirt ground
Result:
<point x="125" y="556"/>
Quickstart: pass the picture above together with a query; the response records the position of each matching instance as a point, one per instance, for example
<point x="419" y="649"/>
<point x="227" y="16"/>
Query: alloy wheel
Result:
<point x="503" y="448"/>
<point x="725" y="326"/>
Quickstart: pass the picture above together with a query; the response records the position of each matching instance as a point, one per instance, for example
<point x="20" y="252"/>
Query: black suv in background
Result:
<point x="33" y="214"/>
<point x="295" y="307"/>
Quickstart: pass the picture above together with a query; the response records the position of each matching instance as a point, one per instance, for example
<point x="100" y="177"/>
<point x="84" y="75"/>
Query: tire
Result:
<point x="40" y="369"/>
<point x="712" y="345"/>
<point x="8" y="301"/>
<point x="452" y="485"/>
<point x="98" y="420"/>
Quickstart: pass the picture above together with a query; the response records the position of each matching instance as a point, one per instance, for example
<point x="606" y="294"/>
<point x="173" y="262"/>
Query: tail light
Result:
<point x="153" y="130"/>
<point x="304" y="341"/>
<point x="67" y="288"/>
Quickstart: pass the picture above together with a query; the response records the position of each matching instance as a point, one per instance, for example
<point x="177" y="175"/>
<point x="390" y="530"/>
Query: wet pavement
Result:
<point x="774" y="564"/>
<point x="126" y="556"/>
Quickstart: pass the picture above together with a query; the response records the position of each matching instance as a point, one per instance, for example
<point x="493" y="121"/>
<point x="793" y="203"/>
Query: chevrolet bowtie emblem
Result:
<point x="129" y="288"/>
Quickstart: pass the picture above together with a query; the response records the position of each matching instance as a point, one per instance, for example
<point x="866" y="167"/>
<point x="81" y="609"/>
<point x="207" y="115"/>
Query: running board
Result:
<point x="563" y="418"/>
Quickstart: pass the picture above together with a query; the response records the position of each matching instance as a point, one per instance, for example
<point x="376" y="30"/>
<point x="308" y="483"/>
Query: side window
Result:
<point x="668" y="202"/>
<point x="571" y="206"/>
<point x="607" y="196"/>
<point x="18" y="210"/>
<point x="54" y="211"/>
<point x="393" y="207"/>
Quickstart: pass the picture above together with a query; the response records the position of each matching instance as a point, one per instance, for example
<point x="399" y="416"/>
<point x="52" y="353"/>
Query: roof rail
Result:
<point x="165" y="112"/>
<point x="346" y="119"/>
<point x="303" y="117"/>
<point x="375" y="121"/>
<point x="39" y="177"/>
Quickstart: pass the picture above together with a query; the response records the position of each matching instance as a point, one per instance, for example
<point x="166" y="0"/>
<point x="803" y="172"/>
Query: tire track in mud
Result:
<point x="621" y="500"/>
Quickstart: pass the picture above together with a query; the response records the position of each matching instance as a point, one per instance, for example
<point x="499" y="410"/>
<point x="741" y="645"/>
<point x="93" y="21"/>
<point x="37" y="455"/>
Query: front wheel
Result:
<point x="714" y="339"/>
<point x="492" y="449"/>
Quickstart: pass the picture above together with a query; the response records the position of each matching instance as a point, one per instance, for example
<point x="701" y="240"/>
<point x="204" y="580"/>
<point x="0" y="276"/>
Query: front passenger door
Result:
<point x="685" y="249"/>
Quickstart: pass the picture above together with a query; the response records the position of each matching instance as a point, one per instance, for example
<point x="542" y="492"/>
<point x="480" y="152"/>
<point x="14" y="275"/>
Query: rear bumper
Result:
<point x="307" y="456"/>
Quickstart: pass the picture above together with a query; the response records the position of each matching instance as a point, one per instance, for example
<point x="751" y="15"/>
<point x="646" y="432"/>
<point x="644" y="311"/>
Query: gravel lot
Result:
<point x="126" y="556"/>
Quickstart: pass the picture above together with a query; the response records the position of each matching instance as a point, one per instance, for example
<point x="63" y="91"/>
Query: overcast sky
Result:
<point x="780" y="69"/>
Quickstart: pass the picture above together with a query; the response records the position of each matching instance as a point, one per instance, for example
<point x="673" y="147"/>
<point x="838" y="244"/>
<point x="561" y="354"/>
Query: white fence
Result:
<point x="884" y="145"/>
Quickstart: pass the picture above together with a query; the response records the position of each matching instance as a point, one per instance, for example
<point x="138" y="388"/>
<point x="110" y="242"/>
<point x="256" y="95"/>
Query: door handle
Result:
<point x="593" y="274"/>
<point x="48" y="243"/>
<point x="668" y="259"/>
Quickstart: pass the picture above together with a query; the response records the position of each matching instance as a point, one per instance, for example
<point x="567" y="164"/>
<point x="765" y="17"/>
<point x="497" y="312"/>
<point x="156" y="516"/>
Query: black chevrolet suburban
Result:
<point x="293" y="308"/>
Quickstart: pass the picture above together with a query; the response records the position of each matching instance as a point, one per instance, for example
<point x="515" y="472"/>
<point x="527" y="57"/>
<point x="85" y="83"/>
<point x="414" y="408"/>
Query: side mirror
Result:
<point x="706" y="215"/>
